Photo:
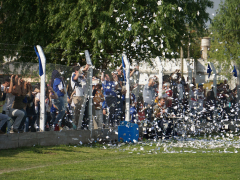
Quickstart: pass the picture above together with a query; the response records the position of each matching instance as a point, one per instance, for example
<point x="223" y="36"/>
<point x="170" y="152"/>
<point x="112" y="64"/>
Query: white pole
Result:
<point x="238" y="90"/>
<point x="42" y="97"/>
<point x="189" y="84"/>
<point x="90" y="100"/>
<point x="214" y="88"/>
<point x="127" y="96"/>
<point x="214" y="79"/>
<point x="160" y="74"/>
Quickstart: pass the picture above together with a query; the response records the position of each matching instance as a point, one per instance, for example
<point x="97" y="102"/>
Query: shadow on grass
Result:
<point x="41" y="150"/>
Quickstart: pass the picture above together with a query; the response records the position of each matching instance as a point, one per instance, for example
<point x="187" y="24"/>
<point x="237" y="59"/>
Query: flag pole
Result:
<point x="127" y="96"/>
<point x="42" y="97"/>
<point x="214" y="79"/>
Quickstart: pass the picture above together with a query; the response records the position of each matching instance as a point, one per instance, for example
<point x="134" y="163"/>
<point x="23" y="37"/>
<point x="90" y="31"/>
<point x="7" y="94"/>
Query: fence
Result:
<point x="194" y="103"/>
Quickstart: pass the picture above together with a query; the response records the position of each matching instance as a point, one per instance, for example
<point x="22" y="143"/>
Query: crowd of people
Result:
<point x="66" y="103"/>
<point x="187" y="101"/>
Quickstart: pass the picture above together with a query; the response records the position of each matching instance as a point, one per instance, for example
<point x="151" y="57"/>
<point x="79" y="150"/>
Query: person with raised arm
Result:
<point x="13" y="91"/>
<point x="20" y="103"/>
<point x="78" y="83"/>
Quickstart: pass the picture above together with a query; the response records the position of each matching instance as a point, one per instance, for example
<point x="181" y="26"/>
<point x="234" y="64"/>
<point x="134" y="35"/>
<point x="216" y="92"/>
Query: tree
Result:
<point x="141" y="28"/>
<point x="23" y="26"/>
<point x="225" y="31"/>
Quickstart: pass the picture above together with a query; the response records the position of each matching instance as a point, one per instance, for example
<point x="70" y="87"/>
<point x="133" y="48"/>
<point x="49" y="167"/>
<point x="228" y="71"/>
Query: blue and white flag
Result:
<point x="123" y="66"/>
<point x="209" y="70"/>
<point x="235" y="72"/>
<point x="40" y="63"/>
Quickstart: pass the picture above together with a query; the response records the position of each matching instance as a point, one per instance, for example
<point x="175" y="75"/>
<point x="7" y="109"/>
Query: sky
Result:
<point x="213" y="10"/>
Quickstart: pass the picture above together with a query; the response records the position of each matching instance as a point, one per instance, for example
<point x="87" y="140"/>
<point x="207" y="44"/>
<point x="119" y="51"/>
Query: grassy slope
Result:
<point x="81" y="162"/>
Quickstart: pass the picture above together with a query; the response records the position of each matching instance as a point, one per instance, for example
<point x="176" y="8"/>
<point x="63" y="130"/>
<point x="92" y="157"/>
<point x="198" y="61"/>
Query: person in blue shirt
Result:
<point x="58" y="87"/>
<point x="53" y="113"/>
<point x="133" y="109"/>
<point x="104" y="109"/>
<point x="109" y="91"/>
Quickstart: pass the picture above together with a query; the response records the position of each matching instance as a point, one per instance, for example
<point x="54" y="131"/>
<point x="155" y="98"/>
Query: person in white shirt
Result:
<point x="14" y="90"/>
<point x="78" y="84"/>
<point x="180" y="90"/>
<point x="3" y="117"/>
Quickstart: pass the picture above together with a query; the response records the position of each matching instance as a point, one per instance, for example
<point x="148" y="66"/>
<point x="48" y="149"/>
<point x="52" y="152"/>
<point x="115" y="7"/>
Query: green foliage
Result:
<point x="23" y="26"/>
<point x="225" y="29"/>
<point x="141" y="29"/>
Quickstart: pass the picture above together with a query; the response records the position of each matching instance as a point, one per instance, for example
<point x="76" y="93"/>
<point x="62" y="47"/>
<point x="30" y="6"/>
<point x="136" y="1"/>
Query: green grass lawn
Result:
<point x="137" y="161"/>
